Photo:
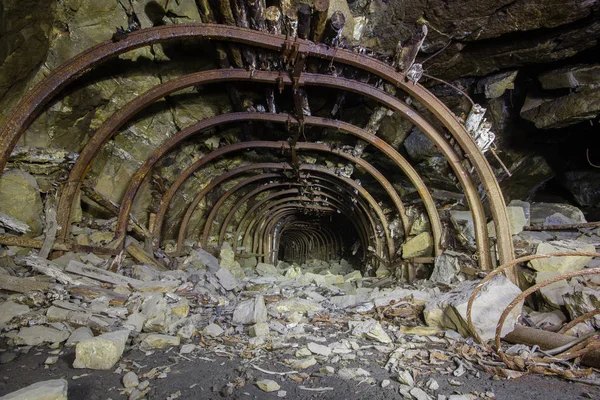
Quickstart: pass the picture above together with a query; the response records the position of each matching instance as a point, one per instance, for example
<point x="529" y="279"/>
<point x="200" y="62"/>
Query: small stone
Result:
<point x="406" y="378"/>
<point x="101" y="352"/>
<point x="144" y="385"/>
<point x="385" y="383"/>
<point x="259" y="330"/>
<point x="78" y="335"/>
<point x="51" y="360"/>
<point x="353" y="373"/>
<point x="187" y="348"/>
<point x="55" y="389"/>
<point x="303" y="352"/>
<point x="432" y="384"/>
<point x="130" y="380"/>
<point x="458" y="397"/>
<point x="454" y="382"/>
<point x="158" y="341"/>
<point x="213" y="330"/>
<point x="302" y="363"/>
<point x="327" y="370"/>
<point x="419" y="394"/>
<point x="319" y="349"/>
<point x="281" y="393"/>
<point x="268" y="385"/>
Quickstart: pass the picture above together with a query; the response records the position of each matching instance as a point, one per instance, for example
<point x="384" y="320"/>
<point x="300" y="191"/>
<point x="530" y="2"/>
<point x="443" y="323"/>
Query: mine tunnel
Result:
<point x="337" y="199"/>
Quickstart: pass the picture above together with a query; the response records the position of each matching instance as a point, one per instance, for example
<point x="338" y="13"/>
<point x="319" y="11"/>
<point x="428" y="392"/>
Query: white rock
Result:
<point x="130" y="380"/>
<point x="267" y="269"/>
<point x="432" y="384"/>
<point x="449" y="311"/>
<point x="516" y="219"/>
<point x="187" y="348"/>
<point x="327" y="370"/>
<point x="419" y="394"/>
<point x="554" y="293"/>
<point x="301" y="363"/>
<point x="406" y="378"/>
<point x="353" y="373"/>
<point x="135" y="322"/>
<point x="447" y="266"/>
<point x="385" y="383"/>
<point x="259" y="330"/>
<point x="250" y="312"/>
<point x="281" y="393"/>
<point x="226" y="279"/>
<point x="319" y="349"/>
<point x="268" y="385"/>
<point x="213" y="330"/>
<point x="371" y="329"/>
<point x="302" y="306"/>
<point x="101" y="352"/>
<point x="55" y="389"/>
<point x="79" y="334"/>
<point x="9" y="310"/>
<point x="562" y="264"/>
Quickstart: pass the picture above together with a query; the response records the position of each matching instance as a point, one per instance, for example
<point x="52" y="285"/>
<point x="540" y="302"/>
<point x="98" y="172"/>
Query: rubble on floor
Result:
<point x="290" y="321"/>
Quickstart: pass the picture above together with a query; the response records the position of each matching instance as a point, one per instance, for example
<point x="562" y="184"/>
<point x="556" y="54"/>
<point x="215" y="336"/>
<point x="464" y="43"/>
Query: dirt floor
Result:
<point x="204" y="375"/>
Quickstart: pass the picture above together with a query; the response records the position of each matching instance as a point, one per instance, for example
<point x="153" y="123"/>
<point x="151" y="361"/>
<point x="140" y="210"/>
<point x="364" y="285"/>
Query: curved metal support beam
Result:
<point x="30" y="106"/>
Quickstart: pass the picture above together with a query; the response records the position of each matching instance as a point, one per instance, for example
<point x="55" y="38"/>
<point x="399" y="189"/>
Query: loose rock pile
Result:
<point x="296" y="322"/>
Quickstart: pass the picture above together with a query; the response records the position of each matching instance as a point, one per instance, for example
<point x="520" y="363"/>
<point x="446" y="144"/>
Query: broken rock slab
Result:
<point x="268" y="385"/>
<point x="213" y="330"/>
<point x="554" y="293"/>
<point x="20" y="199"/>
<point x="101" y="352"/>
<point x="449" y="311"/>
<point x="78" y="335"/>
<point x="36" y="335"/>
<point x="226" y="279"/>
<point x="562" y="264"/>
<point x="55" y="389"/>
<point x="370" y="329"/>
<point x="250" y="312"/>
<point x="9" y="310"/>
<point x="155" y="341"/>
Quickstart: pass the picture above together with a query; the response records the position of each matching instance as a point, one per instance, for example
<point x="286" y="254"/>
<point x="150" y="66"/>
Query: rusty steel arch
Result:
<point x="33" y="102"/>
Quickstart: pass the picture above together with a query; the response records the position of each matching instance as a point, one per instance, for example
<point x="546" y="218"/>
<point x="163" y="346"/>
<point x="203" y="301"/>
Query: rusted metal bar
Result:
<point x="32" y="103"/>
<point x="168" y="196"/>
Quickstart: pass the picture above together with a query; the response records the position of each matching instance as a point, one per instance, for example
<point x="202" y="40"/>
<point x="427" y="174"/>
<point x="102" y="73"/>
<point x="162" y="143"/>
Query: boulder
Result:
<point x="20" y="199"/>
<point x="449" y="311"/>
<point x="267" y="270"/>
<point x="227" y="260"/>
<point x="561" y="264"/>
<point x="418" y="246"/>
<point x="554" y="293"/>
<point x="55" y="389"/>
<point x="200" y="259"/>
<point x="250" y="312"/>
<point x="101" y="352"/>
<point x="260" y="329"/>
<point x="226" y="279"/>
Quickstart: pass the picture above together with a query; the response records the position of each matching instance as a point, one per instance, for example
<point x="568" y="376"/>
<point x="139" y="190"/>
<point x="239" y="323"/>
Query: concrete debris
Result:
<point x="101" y="352"/>
<point x="55" y="389"/>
